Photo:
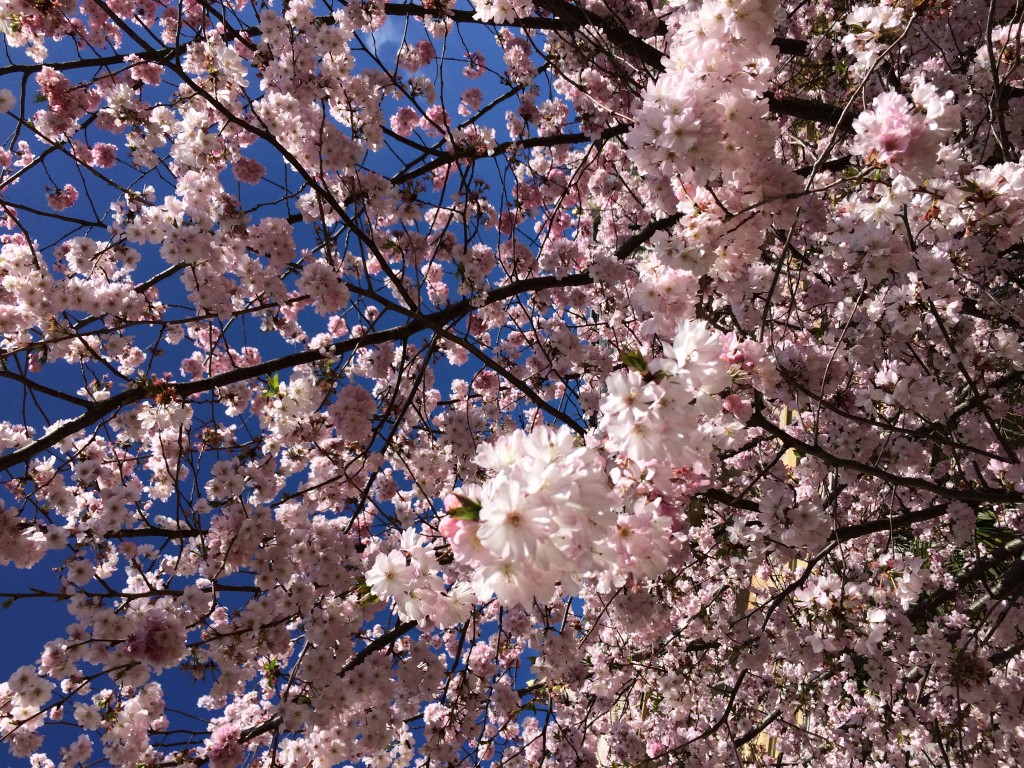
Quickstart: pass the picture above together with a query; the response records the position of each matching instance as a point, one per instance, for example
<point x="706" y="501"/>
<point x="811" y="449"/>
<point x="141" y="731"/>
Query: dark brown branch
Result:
<point x="183" y="390"/>
<point x="927" y="605"/>
<point x="964" y="494"/>
<point x="855" y="531"/>
<point x="358" y="658"/>
<point x="787" y="46"/>
<point x="634" y="242"/>
<point x="556" y="140"/>
<point x="159" y="56"/>
<point x="810" y="109"/>
<point x="42" y="389"/>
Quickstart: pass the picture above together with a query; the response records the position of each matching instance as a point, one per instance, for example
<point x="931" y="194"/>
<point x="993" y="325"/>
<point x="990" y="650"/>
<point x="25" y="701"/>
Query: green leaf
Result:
<point x="273" y="388"/>
<point x="470" y="509"/>
<point x="366" y="597"/>
<point x="631" y="358"/>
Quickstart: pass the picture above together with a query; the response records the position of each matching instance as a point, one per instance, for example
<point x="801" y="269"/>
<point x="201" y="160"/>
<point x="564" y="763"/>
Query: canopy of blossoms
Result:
<point x="564" y="383"/>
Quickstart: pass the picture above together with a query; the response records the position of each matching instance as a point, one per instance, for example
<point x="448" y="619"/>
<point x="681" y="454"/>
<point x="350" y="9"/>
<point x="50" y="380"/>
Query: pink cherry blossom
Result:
<point x="63" y="198"/>
<point x="512" y="383"/>
<point x="248" y="170"/>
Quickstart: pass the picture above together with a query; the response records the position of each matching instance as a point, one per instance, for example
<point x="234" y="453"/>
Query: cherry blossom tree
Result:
<point x="513" y="382"/>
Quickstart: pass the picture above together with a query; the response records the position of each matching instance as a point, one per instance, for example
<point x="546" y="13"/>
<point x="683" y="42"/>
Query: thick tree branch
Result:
<point x="183" y="390"/>
<point x="964" y="494"/>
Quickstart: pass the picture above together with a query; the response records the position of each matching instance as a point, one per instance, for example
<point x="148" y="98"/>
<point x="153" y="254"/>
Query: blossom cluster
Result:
<point x="515" y="383"/>
<point x="554" y="512"/>
<point x="906" y="135"/>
